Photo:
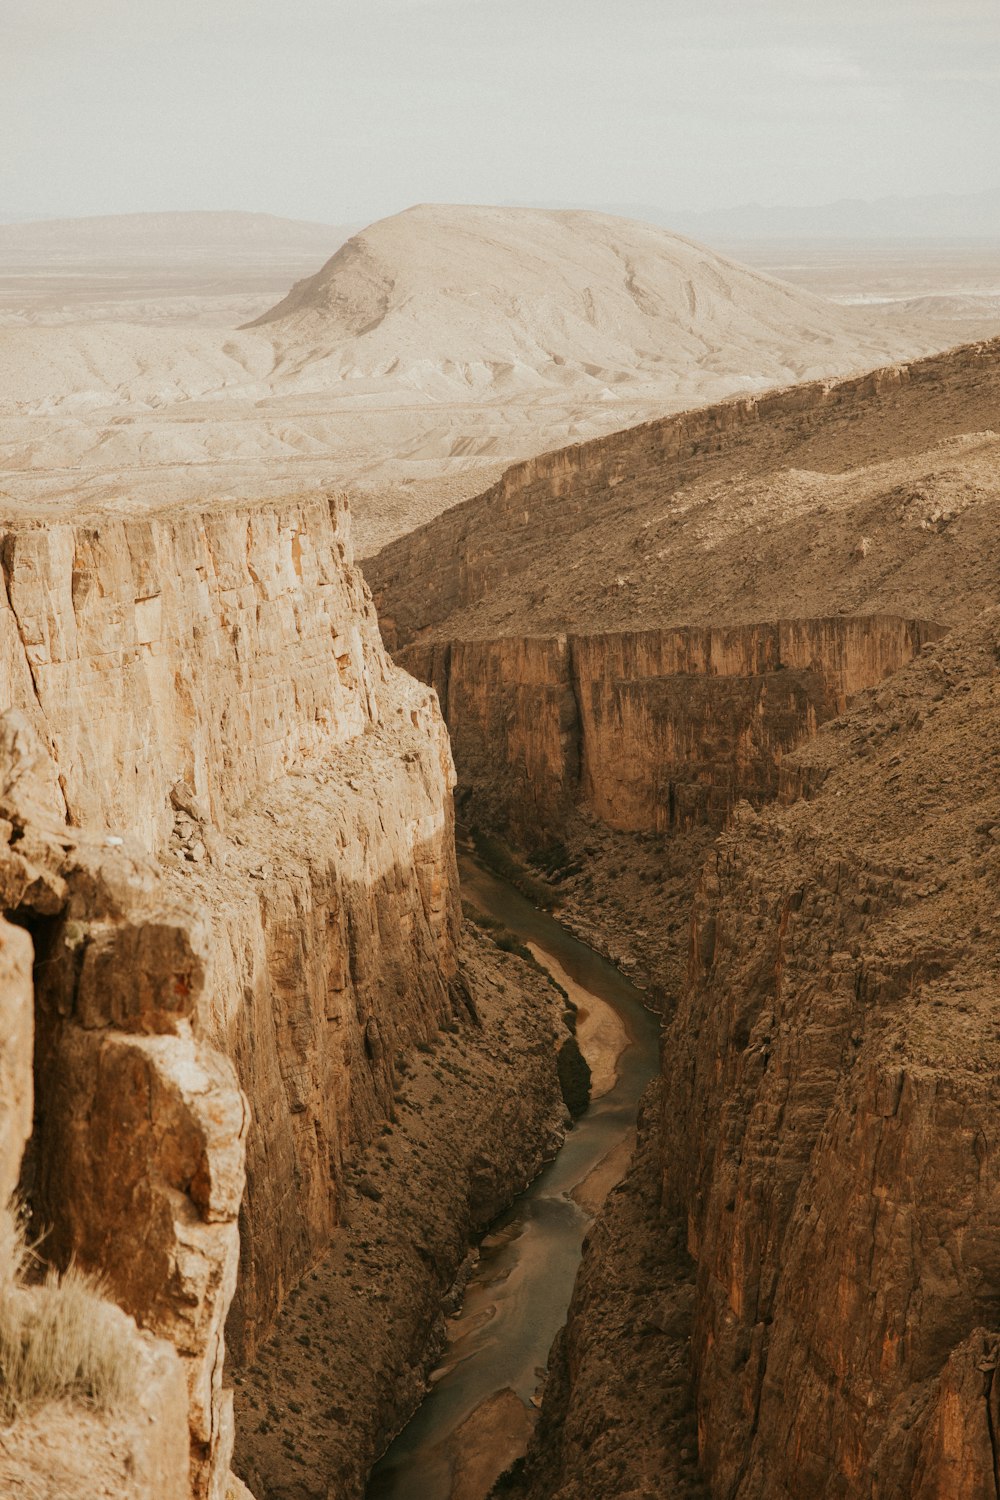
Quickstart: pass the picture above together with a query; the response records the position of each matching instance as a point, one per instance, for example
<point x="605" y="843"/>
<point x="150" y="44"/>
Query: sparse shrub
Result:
<point x="574" y="1077"/>
<point x="60" y="1338"/>
<point x="509" y="1480"/>
<point x="495" y="854"/>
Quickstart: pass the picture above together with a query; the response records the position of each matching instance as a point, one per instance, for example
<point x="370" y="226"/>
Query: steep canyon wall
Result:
<point x="228" y="832"/>
<point x="807" y="1291"/>
<point x="830" y="1111"/>
<point x="814" y="1310"/>
<point x="655" y="730"/>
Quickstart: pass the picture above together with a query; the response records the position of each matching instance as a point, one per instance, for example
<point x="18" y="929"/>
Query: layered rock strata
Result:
<point x="228" y="832"/>
<point x="649" y="731"/>
<point x="141" y="1450"/>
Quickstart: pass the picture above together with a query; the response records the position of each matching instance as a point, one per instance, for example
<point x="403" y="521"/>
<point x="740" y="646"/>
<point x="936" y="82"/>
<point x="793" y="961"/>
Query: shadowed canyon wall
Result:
<point x="228" y="832"/>
<point x="654" y="730"/>
<point x="831" y="1107"/>
<point x="810" y="1280"/>
<point x="815" y="1311"/>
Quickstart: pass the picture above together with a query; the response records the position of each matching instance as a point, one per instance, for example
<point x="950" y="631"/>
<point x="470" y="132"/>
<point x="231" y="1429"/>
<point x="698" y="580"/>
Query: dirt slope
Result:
<point x="877" y="494"/>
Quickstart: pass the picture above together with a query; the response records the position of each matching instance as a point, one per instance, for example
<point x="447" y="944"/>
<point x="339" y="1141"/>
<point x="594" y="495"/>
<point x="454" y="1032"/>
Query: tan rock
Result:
<point x="214" y="681"/>
<point x="17" y="1032"/>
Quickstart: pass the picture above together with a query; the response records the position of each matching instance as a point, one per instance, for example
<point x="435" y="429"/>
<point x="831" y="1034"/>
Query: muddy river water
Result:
<point x="477" y="1414"/>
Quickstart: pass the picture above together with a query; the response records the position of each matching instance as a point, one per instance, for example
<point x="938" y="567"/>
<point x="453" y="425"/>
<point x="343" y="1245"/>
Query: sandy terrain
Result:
<point x="487" y="1442"/>
<point x="123" y="371"/>
<point x="956" y="283"/>
<point x="595" y="1187"/>
<point x="197" y="269"/>
<point x="600" y="1030"/>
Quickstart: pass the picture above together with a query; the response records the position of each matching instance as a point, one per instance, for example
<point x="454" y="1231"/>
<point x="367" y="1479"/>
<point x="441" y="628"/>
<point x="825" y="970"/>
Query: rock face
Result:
<point x="831" y="1106"/>
<point x="17" y="1032"/>
<point x="827" y="1127"/>
<point x="228" y="832"/>
<point x="648" y="731"/>
<point x="476" y="1113"/>
<point x="142" y="1452"/>
<point x="635" y="631"/>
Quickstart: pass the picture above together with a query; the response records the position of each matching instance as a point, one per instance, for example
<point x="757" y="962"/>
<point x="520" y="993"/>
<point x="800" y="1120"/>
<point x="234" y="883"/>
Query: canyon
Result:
<point x="767" y="783"/>
<point x="721" y="687"/>
<point x="228" y="835"/>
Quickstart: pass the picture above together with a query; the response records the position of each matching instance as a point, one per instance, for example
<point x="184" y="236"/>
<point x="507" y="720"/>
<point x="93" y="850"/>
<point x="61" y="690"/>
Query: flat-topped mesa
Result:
<point x="228" y="831"/>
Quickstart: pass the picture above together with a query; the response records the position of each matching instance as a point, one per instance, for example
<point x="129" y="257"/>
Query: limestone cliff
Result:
<point x="648" y="731"/>
<point x="227" y="831"/>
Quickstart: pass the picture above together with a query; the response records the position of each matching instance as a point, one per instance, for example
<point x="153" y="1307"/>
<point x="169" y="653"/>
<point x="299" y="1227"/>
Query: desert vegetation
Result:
<point x="59" y="1337"/>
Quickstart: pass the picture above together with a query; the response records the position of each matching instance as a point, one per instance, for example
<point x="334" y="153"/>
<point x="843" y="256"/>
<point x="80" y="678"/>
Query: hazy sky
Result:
<point x="344" y="110"/>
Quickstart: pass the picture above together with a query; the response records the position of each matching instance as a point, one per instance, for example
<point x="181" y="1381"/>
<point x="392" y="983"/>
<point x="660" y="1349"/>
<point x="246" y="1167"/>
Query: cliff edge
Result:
<point x="227" y="833"/>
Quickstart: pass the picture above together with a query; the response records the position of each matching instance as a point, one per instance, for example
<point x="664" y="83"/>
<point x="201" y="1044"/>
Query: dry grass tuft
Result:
<point x="60" y="1338"/>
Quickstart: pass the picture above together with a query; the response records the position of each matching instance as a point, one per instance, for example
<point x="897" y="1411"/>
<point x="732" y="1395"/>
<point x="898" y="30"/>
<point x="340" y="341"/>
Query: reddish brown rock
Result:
<point x="649" y="731"/>
<point x="958" y="1457"/>
<point x="832" y="1105"/>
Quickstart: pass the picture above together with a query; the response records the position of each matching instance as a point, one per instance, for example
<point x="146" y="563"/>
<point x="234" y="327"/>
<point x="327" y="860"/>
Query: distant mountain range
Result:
<point x="942" y="216"/>
<point x="180" y="238"/>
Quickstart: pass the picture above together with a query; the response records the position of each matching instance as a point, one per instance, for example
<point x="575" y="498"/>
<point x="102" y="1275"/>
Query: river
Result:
<point x="477" y="1411"/>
